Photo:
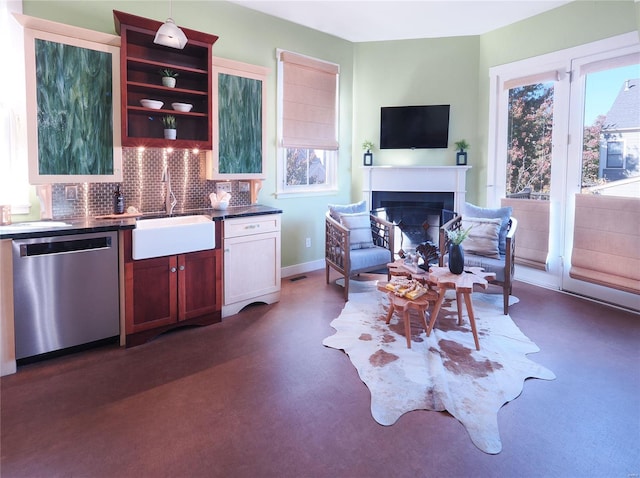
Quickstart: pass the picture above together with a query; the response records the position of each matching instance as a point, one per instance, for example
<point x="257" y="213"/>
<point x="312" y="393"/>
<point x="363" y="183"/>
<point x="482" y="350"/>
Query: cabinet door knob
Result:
<point x="181" y="268"/>
<point x="173" y="269"/>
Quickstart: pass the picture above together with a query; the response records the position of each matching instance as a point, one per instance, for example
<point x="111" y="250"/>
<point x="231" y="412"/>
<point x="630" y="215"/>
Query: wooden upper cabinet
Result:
<point x="140" y="63"/>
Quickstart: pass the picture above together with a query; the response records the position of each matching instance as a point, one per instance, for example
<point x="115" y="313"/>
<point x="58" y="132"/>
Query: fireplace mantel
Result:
<point x="416" y="178"/>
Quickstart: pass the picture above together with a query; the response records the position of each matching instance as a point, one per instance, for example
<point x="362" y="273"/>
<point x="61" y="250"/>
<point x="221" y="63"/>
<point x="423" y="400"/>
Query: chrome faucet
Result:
<point x="170" y="200"/>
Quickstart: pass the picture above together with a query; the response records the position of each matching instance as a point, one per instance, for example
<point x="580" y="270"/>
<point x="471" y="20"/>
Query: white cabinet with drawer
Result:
<point x="251" y="261"/>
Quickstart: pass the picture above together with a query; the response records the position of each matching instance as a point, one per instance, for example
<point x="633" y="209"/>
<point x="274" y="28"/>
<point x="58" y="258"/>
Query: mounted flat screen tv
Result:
<point x="409" y="127"/>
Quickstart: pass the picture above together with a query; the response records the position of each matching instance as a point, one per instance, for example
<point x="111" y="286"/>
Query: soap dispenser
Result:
<point x="118" y="201"/>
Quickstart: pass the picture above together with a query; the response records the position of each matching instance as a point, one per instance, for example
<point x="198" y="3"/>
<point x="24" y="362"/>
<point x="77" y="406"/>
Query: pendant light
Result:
<point x="169" y="34"/>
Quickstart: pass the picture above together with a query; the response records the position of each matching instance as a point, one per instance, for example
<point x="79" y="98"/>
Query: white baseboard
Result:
<point x="297" y="269"/>
<point x="536" y="277"/>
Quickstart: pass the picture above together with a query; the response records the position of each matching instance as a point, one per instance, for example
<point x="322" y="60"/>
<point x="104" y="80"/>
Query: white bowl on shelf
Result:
<point x="185" y="107"/>
<point x="153" y="104"/>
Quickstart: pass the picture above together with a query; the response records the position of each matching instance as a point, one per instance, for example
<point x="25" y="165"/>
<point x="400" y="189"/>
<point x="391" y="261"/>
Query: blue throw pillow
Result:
<point x="336" y="209"/>
<point x="503" y="213"/>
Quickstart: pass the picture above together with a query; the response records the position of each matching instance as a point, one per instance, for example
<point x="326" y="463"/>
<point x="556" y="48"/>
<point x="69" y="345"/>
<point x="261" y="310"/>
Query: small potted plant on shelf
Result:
<point x="169" y="123"/>
<point x="168" y="77"/>
<point x="461" y="155"/>
<point x="368" y="155"/>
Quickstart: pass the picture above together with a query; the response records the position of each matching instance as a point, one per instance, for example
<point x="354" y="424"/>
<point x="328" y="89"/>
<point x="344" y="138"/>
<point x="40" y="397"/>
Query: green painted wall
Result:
<point x="430" y="71"/>
<point x="251" y="37"/>
<point x="574" y="24"/>
<point x="415" y="72"/>
<point x="455" y="70"/>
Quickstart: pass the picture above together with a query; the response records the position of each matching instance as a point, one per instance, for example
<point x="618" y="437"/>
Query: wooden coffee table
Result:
<point x="403" y="305"/>
<point x="463" y="285"/>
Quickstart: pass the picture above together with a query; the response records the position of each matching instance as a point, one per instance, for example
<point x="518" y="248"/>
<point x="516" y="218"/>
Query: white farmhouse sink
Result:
<point x="167" y="236"/>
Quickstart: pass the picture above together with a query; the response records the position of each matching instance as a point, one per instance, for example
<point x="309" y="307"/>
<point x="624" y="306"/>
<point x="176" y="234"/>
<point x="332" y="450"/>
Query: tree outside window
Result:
<point x="529" y="136"/>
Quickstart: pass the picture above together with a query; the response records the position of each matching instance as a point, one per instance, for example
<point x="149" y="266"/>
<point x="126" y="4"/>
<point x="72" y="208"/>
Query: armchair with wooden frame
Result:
<point x="349" y="261"/>
<point x="502" y="267"/>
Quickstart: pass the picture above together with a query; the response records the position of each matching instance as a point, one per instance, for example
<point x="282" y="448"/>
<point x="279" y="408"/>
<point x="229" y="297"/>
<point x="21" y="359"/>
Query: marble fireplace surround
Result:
<point x="416" y="179"/>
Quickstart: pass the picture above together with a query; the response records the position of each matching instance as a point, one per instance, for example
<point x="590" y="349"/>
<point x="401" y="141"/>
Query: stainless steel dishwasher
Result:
<point x="65" y="291"/>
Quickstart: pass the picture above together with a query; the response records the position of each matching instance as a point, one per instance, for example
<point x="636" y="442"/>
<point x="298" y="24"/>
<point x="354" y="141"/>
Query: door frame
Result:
<point x="566" y="156"/>
<point x="574" y="179"/>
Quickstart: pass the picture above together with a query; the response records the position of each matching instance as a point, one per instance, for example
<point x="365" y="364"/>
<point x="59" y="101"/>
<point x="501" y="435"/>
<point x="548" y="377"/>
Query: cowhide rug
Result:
<point x="440" y="372"/>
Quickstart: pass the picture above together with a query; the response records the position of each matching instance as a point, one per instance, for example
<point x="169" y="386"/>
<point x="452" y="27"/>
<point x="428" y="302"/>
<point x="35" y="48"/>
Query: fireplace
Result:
<point x="418" y="200"/>
<point x="417" y="215"/>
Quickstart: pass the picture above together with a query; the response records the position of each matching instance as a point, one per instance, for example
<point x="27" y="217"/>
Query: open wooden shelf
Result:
<point x="140" y="61"/>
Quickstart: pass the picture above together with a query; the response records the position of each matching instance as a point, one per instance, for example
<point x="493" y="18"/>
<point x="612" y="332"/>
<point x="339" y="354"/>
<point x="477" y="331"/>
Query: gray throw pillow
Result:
<point x="503" y="213"/>
<point x="359" y="225"/>
<point x="483" y="236"/>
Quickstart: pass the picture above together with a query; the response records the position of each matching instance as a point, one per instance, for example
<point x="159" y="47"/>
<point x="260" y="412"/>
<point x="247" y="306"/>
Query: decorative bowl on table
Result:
<point x="185" y="107"/>
<point x="153" y="104"/>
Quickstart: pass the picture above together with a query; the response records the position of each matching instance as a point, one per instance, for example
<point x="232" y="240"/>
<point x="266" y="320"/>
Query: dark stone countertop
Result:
<point x="229" y="213"/>
<point x="47" y="228"/>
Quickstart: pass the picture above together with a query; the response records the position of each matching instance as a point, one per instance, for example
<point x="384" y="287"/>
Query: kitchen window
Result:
<point x="307" y="125"/>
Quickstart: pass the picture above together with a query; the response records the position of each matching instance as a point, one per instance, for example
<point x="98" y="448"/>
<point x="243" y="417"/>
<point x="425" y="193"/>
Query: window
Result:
<point x="615" y="156"/>
<point x="611" y="125"/>
<point x="306" y="166"/>
<point x="529" y="140"/>
<point x="307" y="124"/>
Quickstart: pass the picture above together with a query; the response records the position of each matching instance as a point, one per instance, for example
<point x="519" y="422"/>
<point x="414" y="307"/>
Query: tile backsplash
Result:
<point x="142" y="186"/>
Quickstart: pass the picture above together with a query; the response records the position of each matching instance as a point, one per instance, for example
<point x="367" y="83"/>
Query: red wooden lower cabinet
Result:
<point x="172" y="291"/>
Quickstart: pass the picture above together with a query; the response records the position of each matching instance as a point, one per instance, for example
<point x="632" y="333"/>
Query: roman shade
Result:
<point x="533" y="230"/>
<point x="543" y="77"/>
<point x="610" y="63"/>
<point x="606" y="242"/>
<point x="309" y="102"/>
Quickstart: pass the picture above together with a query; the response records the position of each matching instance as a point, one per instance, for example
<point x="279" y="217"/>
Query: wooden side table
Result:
<point x="463" y="285"/>
<point x="403" y="306"/>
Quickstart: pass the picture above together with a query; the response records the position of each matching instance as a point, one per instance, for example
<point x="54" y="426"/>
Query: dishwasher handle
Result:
<point x="62" y="247"/>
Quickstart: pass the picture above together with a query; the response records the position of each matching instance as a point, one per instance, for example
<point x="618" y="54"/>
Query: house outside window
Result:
<point x="306" y="167"/>
<point x="307" y="125"/>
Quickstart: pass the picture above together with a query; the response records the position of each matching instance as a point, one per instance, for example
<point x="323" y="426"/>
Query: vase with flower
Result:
<point x="456" y="252"/>
<point x="368" y="155"/>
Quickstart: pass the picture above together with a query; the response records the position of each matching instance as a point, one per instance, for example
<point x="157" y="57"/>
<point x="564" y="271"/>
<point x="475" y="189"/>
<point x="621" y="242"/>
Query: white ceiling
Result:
<point x="381" y="20"/>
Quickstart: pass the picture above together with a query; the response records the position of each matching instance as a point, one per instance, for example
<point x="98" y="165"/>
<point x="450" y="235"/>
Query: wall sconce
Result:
<point x="169" y="34"/>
